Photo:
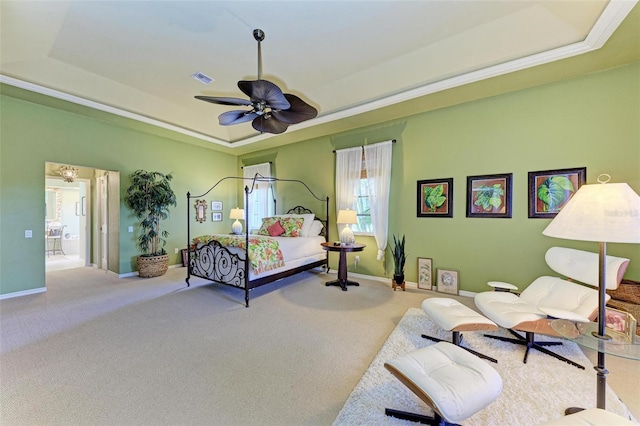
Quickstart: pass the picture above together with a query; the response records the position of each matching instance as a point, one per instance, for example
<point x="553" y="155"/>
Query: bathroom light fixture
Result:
<point x="68" y="173"/>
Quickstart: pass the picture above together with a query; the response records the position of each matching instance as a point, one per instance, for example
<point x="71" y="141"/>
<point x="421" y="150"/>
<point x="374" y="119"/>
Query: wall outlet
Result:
<point x="175" y="251"/>
<point x="28" y="233"/>
<point x="130" y="229"/>
<point x="356" y="260"/>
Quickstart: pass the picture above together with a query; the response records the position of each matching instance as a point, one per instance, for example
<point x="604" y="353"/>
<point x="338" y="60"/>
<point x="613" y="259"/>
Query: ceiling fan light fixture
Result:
<point x="271" y="110"/>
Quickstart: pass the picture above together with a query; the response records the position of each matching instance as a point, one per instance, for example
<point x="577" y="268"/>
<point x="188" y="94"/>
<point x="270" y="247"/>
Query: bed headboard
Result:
<point x="304" y="210"/>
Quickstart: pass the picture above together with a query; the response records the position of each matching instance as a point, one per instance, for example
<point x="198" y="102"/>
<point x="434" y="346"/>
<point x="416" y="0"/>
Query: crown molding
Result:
<point x="612" y="16"/>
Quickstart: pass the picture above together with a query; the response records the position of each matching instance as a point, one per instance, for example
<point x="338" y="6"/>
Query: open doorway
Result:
<point x="81" y="219"/>
<point x="65" y="224"/>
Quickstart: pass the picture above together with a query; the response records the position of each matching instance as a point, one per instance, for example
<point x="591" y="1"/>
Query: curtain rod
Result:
<point x="362" y="146"/>
<point x="242" y="167"/>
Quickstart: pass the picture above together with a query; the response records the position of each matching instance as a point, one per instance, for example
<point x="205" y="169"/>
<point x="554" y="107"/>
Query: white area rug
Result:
<point x="532" y="393"/>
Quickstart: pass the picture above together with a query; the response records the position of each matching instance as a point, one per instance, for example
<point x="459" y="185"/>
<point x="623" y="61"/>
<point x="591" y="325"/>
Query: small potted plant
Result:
<point x="150" y="196"/>
<point x="399" y="259"/>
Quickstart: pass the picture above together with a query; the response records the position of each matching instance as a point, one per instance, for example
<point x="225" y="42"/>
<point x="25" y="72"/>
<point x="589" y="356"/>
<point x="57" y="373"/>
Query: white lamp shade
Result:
<point x="608" y="213"/>
<point x="347" y="217"/>
<point x="236" y="213"/>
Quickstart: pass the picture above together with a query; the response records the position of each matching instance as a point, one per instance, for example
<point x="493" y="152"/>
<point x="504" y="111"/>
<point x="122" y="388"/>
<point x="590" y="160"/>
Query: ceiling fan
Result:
<point x="271" y="110"/>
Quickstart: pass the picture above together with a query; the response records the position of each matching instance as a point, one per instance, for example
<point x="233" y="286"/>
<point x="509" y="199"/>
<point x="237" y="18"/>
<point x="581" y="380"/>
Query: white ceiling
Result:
<point x="136" y="58"/>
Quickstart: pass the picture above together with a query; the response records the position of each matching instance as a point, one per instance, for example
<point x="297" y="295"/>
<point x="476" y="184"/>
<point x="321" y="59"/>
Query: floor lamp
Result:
<point x="603" y="213"/>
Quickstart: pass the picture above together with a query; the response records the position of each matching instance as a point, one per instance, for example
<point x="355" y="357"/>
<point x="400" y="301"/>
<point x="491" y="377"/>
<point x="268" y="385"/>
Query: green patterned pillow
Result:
<point x="292" y="226"/>
<point x="266" y="223"/>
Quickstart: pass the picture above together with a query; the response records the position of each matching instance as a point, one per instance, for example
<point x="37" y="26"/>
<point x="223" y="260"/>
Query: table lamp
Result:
<point x="347" y="217"/>
<point x="236" y="214"/>
<point x="603" y="213"/>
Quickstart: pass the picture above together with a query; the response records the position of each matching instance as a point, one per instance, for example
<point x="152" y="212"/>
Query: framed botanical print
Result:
<point x="489" y="196"/>
<point x="435" y="198"/>
<point x="550" y="190"/>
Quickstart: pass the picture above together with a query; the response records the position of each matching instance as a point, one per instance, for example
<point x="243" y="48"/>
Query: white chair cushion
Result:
<point x="583" y="266"/>
<point x="452" y="315"/>
<point x="457" y="382"/>
<point x="509" y="310"/>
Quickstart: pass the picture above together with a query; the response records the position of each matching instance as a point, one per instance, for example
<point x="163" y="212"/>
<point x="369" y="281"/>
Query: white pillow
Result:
<point x="316" y="228"/>
<point x="306" y="225"/>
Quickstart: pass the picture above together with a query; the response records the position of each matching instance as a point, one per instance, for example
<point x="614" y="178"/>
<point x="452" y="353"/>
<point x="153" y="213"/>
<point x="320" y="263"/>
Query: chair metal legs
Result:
<point x="456" y="339"/>
<point x="530" y="343"/>
<point x="436" y="420"/>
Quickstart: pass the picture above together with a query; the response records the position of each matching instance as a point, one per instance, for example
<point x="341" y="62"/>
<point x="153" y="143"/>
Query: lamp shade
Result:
<point x="608" y="213"/>
<point x="347" y="217"/>
<point x="236" y="213"/>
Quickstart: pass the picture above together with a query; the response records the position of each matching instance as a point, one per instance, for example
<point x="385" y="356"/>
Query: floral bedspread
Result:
<point x="264" y="252"/>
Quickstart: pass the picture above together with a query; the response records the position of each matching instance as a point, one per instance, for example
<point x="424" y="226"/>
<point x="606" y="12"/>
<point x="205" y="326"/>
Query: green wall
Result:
<point x="590" y="122"/>
<point x="33" y="134"/>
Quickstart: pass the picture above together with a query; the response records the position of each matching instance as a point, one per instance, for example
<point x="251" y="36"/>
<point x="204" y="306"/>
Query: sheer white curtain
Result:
<point x="348" y="170"/>
<point x="378" y="165"/>
<point x="260" y="203"/>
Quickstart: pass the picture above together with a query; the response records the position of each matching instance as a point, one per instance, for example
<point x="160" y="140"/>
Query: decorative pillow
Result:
<point x="306" y="225"/>
<point x="276" y="229"/>
<point x="292" y="226"/>
<point x="266" y="223"/>
<point x="316" y="228"/>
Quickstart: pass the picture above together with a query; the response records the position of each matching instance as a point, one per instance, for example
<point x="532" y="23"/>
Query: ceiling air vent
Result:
<point x="202" y="78"/>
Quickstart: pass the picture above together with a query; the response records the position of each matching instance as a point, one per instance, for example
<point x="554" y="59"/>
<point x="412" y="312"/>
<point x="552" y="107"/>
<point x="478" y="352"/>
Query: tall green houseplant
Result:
<point x="399" y="259"/>
<point x="149" y="197"/>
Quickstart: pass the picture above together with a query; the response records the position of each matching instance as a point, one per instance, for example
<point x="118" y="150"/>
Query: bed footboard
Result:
<point x="214" y="262"/>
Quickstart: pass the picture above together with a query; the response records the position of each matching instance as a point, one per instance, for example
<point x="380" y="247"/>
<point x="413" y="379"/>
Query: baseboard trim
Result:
<point x="135" y="273"/>
<point x="22" y="293"/>
<point x="409" y="284"/>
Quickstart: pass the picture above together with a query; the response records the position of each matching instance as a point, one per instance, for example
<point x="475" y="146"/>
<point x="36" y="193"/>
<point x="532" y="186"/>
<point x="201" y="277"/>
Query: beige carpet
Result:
<point x="531" y="393"/>
<point x="98" y="350"/>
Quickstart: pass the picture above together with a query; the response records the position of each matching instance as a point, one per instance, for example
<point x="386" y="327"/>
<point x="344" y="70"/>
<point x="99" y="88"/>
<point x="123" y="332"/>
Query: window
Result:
<point x="363" y="210"/>
<point x="261" y="198"/>
<point x="363" y="177"/>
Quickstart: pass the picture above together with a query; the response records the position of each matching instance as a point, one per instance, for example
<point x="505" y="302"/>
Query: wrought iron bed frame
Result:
<point x="219" y="265"/>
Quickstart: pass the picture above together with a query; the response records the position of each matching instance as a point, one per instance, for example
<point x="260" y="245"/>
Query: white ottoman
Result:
<point x="451" y="315"/>
<point x="455" y="383"/>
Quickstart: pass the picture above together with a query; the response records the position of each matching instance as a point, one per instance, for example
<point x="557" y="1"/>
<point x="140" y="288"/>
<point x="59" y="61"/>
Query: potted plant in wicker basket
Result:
<point x="150" y="196"/>
<point x="399" y="259"/>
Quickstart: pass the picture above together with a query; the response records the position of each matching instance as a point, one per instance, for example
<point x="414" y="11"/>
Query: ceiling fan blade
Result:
<point x="300" y="111"/>
<point x="269" y="124"/>
<point x="236" y="117"/>
<point x="224" y="101"/>
<point x="264" y="91"/>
